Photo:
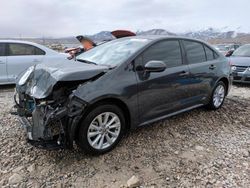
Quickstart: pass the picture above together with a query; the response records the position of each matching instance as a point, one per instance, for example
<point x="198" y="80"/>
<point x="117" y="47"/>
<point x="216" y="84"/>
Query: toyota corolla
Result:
<point x="118" y="86"/>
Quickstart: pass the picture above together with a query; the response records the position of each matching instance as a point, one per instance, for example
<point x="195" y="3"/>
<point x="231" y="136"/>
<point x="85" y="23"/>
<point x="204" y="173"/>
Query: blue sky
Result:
<point x="58" y="18"/>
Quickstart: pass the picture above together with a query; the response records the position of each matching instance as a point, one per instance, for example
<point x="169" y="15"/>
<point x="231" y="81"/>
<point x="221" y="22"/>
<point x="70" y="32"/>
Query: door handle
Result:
<point x="212" y="67"/>
<point x="184" y="73"/>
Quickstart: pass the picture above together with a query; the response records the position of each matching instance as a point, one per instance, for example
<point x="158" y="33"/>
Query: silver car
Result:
<point x="240" y="61"/>
<point x="17" y="56"/>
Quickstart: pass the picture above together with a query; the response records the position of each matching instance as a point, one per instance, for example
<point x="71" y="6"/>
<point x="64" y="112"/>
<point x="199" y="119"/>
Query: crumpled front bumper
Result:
<point x="40" y="131"/>
<point x="51" y="127"/>
<point x="26" y="125"/>
<point x="44" y="144"/>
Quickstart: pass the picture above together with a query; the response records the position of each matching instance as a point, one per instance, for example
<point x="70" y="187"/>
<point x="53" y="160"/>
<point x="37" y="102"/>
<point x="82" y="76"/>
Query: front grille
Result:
<point x="237" y="78"/>
<point x="240" y="68"/>
<point x="247" y="79"/>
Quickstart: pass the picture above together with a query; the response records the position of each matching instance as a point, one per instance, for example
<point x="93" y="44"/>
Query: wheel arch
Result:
<point x="109" y="100"/>
<point x="226" y="82"/>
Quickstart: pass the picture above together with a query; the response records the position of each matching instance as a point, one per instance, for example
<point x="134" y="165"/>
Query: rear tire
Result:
<point x="218" y="96"/>
<point x="101" y="130"/>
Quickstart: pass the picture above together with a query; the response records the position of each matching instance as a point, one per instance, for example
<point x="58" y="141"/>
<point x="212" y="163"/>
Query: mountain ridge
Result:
<point x="211" y="35"/>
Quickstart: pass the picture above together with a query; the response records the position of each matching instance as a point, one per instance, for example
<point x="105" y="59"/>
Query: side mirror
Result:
<point x="155" y="66"/>
<point x="229" y="53"/>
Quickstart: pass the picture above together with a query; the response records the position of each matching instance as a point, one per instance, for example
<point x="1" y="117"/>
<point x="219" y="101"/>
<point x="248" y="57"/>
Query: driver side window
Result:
<point x="168" y="51"/>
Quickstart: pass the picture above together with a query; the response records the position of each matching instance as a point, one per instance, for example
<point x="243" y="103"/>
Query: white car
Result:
<point x="16" y="56"/>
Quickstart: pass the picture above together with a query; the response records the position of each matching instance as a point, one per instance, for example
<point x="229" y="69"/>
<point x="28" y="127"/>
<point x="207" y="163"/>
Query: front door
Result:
<point x="162" y="93"/>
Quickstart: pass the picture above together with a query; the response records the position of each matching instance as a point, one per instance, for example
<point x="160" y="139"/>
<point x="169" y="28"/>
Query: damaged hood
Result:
<point x="43" y="77"/>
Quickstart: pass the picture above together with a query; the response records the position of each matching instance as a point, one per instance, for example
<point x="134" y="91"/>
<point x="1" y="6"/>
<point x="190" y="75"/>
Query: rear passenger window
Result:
<point x="16" y="49"/>
<point x="21" y="49"/>
<point x="167" y="51"/>
<point x="195" y="52"/>
<point x="216" y="55"/>
<point x="38" y="51"/>
<point x="2" y="49"/>
<point x="209" y="53"/>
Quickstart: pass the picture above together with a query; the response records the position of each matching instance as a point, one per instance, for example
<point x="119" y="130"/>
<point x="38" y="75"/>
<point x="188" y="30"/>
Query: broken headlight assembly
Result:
<point x="26" y="75"/>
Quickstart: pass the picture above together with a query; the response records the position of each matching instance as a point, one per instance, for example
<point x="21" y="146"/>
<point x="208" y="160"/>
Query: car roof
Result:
<point x="16" y="41"/>
<point x="162" y="37"/>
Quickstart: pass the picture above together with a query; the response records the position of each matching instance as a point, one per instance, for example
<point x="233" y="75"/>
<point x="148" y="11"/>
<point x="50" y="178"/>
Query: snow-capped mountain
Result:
<point x="206" y="34"/>
<point x="211" y="33"/>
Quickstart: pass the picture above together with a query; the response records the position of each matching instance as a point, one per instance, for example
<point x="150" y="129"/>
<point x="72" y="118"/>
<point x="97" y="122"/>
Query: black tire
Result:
<point x="82" y="140"/>
<point x="211" y="104"/>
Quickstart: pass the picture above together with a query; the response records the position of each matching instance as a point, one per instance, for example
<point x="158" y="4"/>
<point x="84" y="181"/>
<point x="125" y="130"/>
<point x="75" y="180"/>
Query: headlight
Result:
<point x="26" y="75"/>
<point x="233" y="68"/>
<point x="248" y="68"/>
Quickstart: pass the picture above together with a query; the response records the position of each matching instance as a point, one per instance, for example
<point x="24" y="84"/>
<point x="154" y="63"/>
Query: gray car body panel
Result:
<point x="45" y="76"/>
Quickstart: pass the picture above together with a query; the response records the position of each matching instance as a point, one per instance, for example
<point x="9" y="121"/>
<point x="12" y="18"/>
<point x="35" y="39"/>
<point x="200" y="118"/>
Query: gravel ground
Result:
<point x="199" y="148"/>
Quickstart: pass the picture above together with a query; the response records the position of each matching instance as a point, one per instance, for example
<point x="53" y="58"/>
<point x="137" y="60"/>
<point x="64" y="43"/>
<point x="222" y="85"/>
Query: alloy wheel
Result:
<point x="219" y="95"/>
<point x="104" y="130"/>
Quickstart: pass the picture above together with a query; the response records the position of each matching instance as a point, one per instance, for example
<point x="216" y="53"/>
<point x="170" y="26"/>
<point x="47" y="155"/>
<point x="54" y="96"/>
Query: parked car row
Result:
<point x="226" y="49"/>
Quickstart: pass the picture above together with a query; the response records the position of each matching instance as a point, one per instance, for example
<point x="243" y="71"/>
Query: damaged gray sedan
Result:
<point x="79" y="101"/>
<point x="117" y="86"/>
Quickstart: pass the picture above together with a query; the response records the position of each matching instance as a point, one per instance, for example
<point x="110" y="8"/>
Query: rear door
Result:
<point x="3" y="66"/>
<point x="20" y="57"/>
<point x="203" y="68"/>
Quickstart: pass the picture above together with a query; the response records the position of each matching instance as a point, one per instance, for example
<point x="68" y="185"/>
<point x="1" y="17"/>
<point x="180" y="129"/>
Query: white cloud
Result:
<point x="70" y="17"/>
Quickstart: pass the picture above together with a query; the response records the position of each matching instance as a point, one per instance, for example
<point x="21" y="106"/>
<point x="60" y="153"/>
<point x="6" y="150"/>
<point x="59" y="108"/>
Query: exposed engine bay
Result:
<point x="46" y="104"/>
<point x="48" y="121"/>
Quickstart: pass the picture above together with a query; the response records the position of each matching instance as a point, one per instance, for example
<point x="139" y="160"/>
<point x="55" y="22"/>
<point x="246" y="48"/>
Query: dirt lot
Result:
<point x="200" y="148"/>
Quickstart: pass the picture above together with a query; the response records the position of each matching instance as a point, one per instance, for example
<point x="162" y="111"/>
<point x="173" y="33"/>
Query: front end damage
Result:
<point x="50" y="124"/>
<point x="46" y="104"/>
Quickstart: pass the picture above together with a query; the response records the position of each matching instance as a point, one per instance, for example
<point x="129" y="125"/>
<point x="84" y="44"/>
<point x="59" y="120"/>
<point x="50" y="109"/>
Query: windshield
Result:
<point x="114" y="52"/>
<point x="243" y="51"/>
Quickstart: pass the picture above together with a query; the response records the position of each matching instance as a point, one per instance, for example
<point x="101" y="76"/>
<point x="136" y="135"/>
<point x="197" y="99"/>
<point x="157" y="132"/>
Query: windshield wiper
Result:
<point x="86" y="61"/>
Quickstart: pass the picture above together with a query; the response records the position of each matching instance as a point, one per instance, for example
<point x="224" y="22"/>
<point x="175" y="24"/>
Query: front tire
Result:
<point x="101" y="130"/>
<point x="218" y="96"/>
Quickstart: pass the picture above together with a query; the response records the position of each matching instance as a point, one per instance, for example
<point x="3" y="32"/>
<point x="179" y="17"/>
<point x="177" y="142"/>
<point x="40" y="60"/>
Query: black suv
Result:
<point x="117" y="86"/>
